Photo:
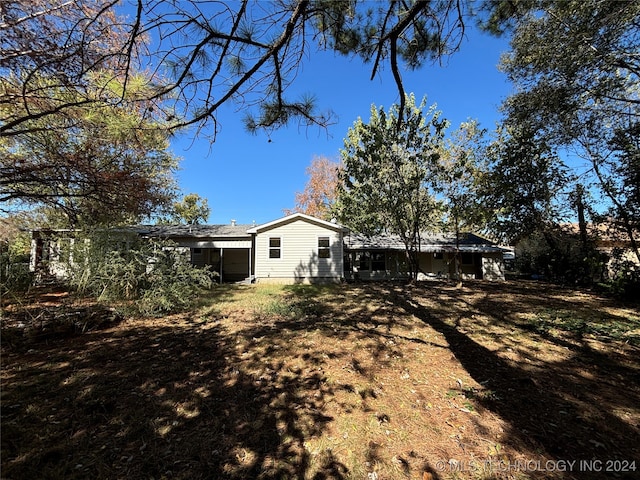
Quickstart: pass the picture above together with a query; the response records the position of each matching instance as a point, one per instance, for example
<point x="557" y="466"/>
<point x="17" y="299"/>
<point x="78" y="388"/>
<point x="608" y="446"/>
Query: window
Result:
<point x="196" y="255"/>
<point x="438" y="256"/>
<point x="377" y="262"/>
<point x="363" y="261"/>
<point x="324" y="250"/>
<point x="274" y="247"/>
<point x="467" y="258"/>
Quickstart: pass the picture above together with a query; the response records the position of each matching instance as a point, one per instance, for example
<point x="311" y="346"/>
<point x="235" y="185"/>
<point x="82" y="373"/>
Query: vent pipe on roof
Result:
<point x="233" y="223"/>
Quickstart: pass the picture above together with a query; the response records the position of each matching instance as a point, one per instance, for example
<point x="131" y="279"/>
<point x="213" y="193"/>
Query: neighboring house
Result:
<point x="614" y="245"/>
<point x="299" y="248"/>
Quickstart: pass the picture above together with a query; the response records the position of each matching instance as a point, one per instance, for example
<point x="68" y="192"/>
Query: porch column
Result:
<point x="221" y="262"/>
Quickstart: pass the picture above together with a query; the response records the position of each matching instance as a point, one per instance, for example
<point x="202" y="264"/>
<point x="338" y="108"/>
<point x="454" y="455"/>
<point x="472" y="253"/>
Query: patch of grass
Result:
<point x="336" y="382"/>
<point x="594" y="323"/>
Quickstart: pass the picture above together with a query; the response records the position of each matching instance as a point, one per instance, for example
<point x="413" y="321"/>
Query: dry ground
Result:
<point x="379" y="381"/>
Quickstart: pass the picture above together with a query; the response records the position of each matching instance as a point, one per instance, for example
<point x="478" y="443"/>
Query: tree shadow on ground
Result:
<point x="563" y="409"/>
<point x="159" y="402"/>
<point x="556" y="408"/>
<point x="213" y="399"/>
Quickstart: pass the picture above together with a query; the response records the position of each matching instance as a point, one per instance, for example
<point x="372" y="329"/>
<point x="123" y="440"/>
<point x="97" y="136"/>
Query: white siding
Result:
<point x="299" y="260"/>
<point x="492" y="266"/>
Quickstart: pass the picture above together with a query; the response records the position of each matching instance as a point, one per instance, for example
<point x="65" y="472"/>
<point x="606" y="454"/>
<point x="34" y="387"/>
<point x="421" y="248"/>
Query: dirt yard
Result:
<point x="380" y="381"/>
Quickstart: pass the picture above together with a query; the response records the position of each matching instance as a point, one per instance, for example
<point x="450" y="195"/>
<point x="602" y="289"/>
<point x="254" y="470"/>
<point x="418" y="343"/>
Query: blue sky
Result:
<point x="247" y="178"/>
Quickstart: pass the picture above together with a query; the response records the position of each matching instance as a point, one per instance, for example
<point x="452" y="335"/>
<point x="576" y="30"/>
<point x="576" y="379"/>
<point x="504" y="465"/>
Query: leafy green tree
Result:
<point x="387" y="179"/>
<point x="192" y="210"/>
<point x="461" y="170"/>
<point x="15" y="247"/>
<point x="529" y="189"/>
<point x="100" y="163"/>
<point x="525" y="180"/>
<point x="576" y="68"/>
<point x="626" y="144"/>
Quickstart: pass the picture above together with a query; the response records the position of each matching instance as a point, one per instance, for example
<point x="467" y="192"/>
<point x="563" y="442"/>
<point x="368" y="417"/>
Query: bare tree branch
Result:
<point x="200" y="54"/>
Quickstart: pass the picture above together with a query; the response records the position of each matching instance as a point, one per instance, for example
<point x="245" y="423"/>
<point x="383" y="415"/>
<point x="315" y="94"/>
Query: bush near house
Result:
<point x="624" y="277"/>
<point x="156" y="275"/>
<point x="14" y="264"/>
<point x="560" y="258"/>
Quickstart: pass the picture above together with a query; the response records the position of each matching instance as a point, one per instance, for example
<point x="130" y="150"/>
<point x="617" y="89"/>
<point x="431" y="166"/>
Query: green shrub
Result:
<point x="156" y="275"/>
<point x="624" y="282"/>
<point x="14" y="265"/>
<point x="171" y="283"/>
<point x="559" y="257"/>
<point x="15" y="276"/>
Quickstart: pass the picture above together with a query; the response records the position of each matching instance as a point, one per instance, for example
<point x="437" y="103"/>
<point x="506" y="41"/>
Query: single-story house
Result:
<point x="298" y="248"/>
<point x="383" y="257"/>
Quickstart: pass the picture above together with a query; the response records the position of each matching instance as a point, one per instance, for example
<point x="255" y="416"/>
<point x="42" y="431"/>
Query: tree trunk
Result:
<point x="582" y="223"/>
<point x="622" y="211"/>
<point x="414" y="263"/>
<point x="458" y="259"/>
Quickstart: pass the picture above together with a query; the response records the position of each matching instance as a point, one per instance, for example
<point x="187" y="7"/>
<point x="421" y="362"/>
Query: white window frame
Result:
<point x="327" y="248"/>
<point x="278" y="248"/>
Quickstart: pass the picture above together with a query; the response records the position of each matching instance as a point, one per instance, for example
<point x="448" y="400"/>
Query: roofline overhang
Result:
<point x="297" y="216"/>
<point x="430" y="248"/>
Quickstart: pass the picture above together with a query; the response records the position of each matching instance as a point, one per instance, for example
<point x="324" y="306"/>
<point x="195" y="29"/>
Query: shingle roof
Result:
<point x="429" y="242"/>
<point x="297" y="216"/>
<point x="199" y="231"/>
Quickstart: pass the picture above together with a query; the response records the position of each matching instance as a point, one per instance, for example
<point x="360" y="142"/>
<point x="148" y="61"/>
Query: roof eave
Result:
<point x="294" y="217"/>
